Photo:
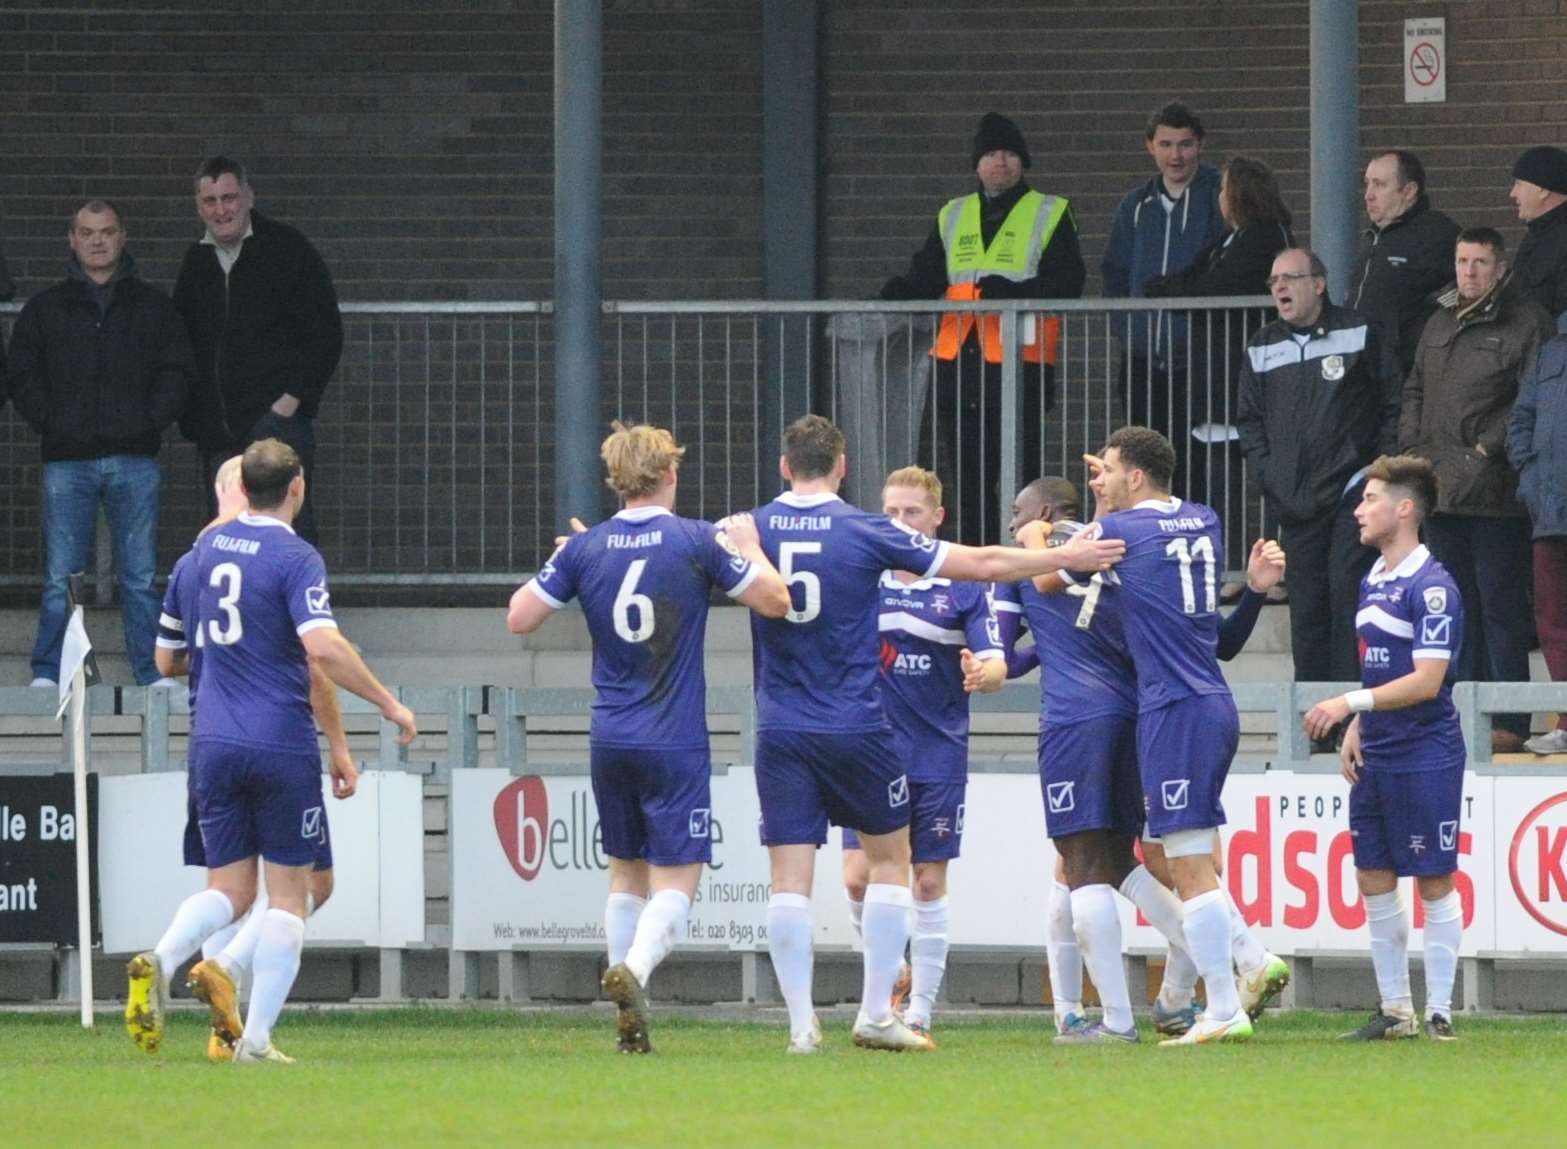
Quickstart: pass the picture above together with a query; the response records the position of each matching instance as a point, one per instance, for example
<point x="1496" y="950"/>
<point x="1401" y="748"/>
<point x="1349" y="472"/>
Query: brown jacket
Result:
<point x="1460" y="392"/>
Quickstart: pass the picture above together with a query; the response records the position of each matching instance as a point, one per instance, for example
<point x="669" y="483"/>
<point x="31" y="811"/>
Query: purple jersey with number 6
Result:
<point x="643" y="576"/>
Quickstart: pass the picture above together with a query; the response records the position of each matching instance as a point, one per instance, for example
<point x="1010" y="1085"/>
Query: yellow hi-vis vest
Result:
<point x="1013" y="254"/>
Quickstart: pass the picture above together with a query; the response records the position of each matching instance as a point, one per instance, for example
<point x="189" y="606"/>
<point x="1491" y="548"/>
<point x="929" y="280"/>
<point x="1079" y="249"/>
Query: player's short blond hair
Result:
<point x="637" y="457"/>
<point x="227" y="474"/>
<point x="918" y="478"/>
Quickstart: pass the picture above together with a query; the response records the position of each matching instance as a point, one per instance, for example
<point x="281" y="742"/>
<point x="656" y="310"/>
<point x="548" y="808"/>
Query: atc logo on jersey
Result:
<point x="1175" y="793"/>
<point x="521" y="812"/>
<point x="1374" y="655"/>
<point x="893" y="661"/>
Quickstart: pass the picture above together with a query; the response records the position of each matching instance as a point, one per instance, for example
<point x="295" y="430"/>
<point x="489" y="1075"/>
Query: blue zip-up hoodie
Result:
<point x="1146" y="241"/>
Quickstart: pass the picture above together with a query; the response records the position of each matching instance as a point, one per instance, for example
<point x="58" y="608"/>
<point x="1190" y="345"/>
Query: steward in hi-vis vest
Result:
<point x="1003" y="241"/>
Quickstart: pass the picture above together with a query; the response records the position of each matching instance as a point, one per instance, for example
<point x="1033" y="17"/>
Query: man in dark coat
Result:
<point x="263" y="319"/>
<point x="1540" y="193"/>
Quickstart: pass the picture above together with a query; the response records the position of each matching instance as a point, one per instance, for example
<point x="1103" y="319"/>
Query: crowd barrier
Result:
<point x="526" y="869"/>
<point x="435" y="445"/>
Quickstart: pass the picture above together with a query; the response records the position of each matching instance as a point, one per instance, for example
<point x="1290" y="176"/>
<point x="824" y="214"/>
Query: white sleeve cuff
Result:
<point x="1434" y="655"/>
<point x="939" y="558"/>
<point x="745" y="581"/>
<point x="988" y="654"/>
<point x="171" y="643"/>
<point x="310" y="624"/>
<point x="544" y="596"/>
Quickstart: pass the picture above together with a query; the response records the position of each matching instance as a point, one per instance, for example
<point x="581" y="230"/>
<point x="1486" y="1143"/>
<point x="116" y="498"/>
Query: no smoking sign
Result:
<point x="1425" y="60"/>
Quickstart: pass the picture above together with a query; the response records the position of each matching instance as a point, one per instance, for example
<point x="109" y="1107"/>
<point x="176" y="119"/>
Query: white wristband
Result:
<point x="1360" y="700"/>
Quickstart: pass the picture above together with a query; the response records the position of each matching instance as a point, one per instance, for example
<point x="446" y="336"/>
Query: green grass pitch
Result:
<point x="434" y="1077"/>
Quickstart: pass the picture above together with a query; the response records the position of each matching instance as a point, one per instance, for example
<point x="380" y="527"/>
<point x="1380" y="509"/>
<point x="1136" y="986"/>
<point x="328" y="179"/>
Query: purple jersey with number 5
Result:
<point x="1167" y="589"/>
<point x="644" y="576"/>
<point x="817" y="669"/>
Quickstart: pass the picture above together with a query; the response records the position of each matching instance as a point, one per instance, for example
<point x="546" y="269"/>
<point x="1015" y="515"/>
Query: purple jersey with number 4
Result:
<point x="643" y="576"/>
<point x="1413" y="611"/>
<point x="924" y="624"/>
<point x="258" y="588"/>
<point x="1167" y="590"/>
<point x="816" y="669"/>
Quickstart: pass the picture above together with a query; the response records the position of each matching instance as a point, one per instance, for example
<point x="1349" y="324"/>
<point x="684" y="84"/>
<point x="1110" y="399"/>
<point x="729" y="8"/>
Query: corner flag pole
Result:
<point x="78" y="665"/>
<point x="78" y="724"/>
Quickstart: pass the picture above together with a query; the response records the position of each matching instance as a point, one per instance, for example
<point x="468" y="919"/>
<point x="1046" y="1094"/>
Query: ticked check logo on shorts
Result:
<point x="701" y="820"/>
<point x="1061" y="796"/>
<point x="310" y="826"/>
<point x="898" y="791"/>
<point x="1447" y="835"/>
<point x="1175" y="792"/>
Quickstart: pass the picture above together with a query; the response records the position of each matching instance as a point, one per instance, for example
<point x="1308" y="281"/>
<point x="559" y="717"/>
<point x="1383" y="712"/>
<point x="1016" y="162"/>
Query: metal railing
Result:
<point x="435" y="459"/>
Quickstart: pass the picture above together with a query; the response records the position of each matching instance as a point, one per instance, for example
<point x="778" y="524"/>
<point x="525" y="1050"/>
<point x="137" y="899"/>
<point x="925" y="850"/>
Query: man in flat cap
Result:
<point x="1001" y="241"/>
<point x="1540" y="193"/>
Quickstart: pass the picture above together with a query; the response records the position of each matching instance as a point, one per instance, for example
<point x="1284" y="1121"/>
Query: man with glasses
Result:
<point x="1319" y="397"/>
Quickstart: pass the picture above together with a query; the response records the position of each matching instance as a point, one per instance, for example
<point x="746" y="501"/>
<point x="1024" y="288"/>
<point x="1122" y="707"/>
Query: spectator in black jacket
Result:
<point x="1237" y="263"/>
<point x="99" y="366"/>
<point x="263" y="318"/>
<point x="1319" y="402"/>
<point x="1406" y="255"/>
<point x="1540" y="193"/>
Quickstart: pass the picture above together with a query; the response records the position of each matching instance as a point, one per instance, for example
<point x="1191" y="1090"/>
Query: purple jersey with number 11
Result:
<point x="1168" y="591"/>
<point x="817" y="669"/>
<point x="643" y="576"/>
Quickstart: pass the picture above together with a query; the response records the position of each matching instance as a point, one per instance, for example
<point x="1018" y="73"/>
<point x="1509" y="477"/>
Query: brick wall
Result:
<point x="413" y="143"/>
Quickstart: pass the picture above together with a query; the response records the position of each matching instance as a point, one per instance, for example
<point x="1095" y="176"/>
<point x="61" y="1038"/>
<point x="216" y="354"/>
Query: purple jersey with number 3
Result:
<point x="816" y="669"/>
<point x="644" y="576"/>
<point x="258" y="588"/>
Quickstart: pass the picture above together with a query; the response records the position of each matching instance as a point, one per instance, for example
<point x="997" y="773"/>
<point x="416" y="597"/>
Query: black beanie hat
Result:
<point x="1544" y="166"/>
<point x="996" y="131"/>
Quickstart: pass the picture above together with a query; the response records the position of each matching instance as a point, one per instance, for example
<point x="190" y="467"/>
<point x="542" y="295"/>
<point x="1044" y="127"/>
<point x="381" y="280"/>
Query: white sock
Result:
<point x="886" y="926"/>
<point x="236" y="957"/>
<point x="1098" y="925"/>
<point x="218" y="942"/>
<point x="928" y="957"/>
<point x="1162" y="908"/>
<point x="1389" y="926"/>
<point x="658" y="929"/>
<point x="1207" y="924"/>
<point x="1249" y="953"/>
<point x="1066" y="960"/>
<point x="1444" y="932"/>
<point x="621" y="912"/>
<point x="789" y="947"/>
<point x="198" y="917"/>
<point x="857" y="917"/>
<point x="277" y="964"/>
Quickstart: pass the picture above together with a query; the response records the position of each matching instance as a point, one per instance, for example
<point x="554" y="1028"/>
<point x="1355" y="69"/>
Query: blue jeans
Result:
<point x="127" y="486"/>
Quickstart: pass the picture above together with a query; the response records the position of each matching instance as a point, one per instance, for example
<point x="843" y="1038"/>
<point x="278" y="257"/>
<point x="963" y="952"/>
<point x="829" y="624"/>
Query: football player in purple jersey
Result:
<point x="939" y="643"/>
<point x="643" y="577"/>
<point x="825" y="750"/>
<point x="1403" y="753"/>
<point x="1187" y="726"/>
<point x="227" y="954"/>
<point x="264" y="615"/>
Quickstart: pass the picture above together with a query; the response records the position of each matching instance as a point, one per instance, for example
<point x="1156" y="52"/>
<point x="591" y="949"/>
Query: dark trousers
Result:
<point x="1209" y="473"/>
<point x="960" y="439"/>
<point x="1550" y="607"/>
<point x="1326" y="563"/>
<point x="299" y="432"/>
<point x="1488" y="558"/>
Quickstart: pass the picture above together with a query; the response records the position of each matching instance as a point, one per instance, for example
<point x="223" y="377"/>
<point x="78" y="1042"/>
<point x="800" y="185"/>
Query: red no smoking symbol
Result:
<point x="1425" y="64"/>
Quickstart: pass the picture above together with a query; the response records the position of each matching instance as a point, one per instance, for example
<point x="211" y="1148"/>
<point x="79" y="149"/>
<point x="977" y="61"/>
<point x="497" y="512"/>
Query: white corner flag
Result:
<point x="73" y="656"/>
